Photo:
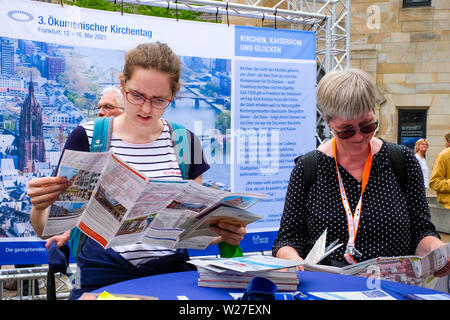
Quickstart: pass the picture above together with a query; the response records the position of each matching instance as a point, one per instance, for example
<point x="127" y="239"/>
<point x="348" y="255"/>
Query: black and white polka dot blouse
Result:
<point x="392" y="223"/>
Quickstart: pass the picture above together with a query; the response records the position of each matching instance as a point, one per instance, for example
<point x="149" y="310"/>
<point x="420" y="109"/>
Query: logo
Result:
<point x="259" y="240"/>
<point x="19" y="15"/>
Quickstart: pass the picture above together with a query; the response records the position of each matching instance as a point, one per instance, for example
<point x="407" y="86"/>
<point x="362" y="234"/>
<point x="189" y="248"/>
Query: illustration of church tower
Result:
<point x="31" y="136"/>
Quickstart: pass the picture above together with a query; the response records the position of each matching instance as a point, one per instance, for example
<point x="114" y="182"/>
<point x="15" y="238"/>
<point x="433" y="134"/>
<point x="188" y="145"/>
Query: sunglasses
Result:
<point x="348" y="133"/>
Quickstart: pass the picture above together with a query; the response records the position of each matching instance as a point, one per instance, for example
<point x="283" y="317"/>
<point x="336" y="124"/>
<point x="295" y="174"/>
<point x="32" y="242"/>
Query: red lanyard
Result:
<point x="352" y="219"/>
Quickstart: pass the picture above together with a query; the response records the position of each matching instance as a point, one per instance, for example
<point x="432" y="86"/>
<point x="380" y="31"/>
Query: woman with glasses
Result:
<point x="355" y="195"/>
<point x="149" y="82"/>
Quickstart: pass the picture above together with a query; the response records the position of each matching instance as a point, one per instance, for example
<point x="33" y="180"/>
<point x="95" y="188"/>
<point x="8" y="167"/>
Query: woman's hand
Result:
<point x="60" y="239"/>
<point x="230" y="233"/>
<point x="290" y="253"/>
<point x="44" y="191"/>
<point x="445" y="271"/>
<point x="428" y="244"/>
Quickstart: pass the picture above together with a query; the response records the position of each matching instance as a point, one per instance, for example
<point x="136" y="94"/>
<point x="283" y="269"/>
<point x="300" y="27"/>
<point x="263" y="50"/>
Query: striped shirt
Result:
<point x="156" y="160"/>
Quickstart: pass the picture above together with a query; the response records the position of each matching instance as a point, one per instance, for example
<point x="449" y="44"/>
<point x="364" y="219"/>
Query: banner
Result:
<point x="248" y="93"/>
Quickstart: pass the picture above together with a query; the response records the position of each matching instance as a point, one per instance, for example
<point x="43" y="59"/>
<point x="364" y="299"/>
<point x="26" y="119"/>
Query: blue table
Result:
<point x="170" y="286"/>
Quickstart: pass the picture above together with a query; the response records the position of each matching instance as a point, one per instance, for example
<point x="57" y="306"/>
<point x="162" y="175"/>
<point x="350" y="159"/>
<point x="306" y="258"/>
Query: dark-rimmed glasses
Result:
<point x="107" y="107"/>
<point x="348" y="133"/>
<point x="138" y="99"/>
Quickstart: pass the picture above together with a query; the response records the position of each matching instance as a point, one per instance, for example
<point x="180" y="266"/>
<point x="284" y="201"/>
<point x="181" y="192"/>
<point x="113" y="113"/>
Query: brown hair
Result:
<point x="154" y="55"/>
<point x="447" y="137"/>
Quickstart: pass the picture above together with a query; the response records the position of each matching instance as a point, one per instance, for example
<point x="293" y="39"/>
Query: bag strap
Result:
<point x="76" y="241"/>
<point x="101" y="137"/>
<point x="397" y="159"/>
<point x="181" y="142"/>
<point x="309" y="168"/>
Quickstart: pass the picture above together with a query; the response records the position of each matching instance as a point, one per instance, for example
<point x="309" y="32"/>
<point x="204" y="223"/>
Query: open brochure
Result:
<point x="115" y="204"/>
<point x="413" y="270"/>
<point x="319" y="251"/>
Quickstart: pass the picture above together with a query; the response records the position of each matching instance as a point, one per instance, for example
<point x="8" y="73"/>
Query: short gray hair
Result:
<point x="345" y="94"/>
<point x="117" y="91"/>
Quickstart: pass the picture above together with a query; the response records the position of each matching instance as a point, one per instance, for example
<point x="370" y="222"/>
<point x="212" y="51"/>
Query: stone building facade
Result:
<point x="407" y="52"/>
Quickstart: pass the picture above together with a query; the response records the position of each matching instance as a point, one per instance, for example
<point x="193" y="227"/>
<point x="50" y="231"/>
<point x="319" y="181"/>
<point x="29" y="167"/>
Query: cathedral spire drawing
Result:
<point x="31" y="135"/>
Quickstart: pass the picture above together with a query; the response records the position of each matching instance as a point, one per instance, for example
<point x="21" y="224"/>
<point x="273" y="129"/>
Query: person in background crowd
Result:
<point x="440" y="175"/>
<point x="149" y="82"/>
<point x="111" y="103"/>
<point x="355" y="195"/>
<point x="420" y="149"/>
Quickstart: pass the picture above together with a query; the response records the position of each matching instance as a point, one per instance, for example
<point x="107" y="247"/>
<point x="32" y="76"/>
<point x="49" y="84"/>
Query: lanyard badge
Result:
<point x="352" y="219"/>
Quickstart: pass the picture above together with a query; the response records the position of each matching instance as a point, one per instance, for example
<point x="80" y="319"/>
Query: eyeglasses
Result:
<point x="107" y="107"/>
<point x="139" y="99"/>
<point x="348" y="133"/>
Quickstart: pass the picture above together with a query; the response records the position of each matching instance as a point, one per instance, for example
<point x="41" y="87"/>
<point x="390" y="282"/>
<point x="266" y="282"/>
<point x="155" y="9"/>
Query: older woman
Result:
<point x="420" y="148"/>
<point x="355" y="196"/>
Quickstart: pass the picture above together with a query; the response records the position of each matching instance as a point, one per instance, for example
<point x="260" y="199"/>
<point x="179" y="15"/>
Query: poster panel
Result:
<point x="248" y="94"/>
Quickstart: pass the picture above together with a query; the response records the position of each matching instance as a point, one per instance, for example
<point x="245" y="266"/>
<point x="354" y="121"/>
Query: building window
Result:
<point x="416" y="3"/>
<point x="412" y="125"/>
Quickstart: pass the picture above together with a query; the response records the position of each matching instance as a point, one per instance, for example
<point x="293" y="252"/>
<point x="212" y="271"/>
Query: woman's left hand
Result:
<point x="428" y="244"/>
<point x="230" y="233"/>
<point x="445" y="271"/>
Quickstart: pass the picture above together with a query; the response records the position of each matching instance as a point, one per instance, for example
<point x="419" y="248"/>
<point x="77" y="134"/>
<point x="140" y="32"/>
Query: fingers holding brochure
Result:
<point x="44" y="191"/>
<point x="230" y="233"/>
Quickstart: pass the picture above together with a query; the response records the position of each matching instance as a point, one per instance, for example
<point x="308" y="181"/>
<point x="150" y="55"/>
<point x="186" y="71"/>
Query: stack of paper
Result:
<point x="237" y="272"/>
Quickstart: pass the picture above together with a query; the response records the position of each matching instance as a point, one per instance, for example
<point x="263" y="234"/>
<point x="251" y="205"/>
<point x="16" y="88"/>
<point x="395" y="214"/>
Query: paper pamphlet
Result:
<point x="319" y="251"/>
<point x="413" y="270"/>
<point x="115" y="204"/>
<point x="354" y="295"/>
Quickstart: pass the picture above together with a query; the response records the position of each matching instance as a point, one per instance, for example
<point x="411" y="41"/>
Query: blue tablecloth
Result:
<point x="170" y="286"/>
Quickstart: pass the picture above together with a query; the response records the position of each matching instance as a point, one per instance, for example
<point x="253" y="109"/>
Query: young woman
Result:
<point x="149" y="82"/>
<point x="355" y="196"/>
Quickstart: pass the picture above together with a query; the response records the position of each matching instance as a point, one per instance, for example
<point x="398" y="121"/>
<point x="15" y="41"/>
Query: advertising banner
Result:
<point x="248" y="93"/>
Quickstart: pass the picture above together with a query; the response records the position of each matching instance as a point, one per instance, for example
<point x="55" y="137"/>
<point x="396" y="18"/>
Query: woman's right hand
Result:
<point x="290" y="253"/>
<point x="44" y="191"/>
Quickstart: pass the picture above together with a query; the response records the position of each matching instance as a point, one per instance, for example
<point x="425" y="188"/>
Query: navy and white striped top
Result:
<point x="156" y="160"/>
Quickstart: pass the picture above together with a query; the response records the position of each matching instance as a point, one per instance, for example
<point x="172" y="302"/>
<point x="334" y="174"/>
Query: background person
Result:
<point x="420" y="148"/>
<point x="355" y="164"/>
<point x="149" y="82"/>
<point x="111" y="103"/>
<point x="440" y="175"/>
